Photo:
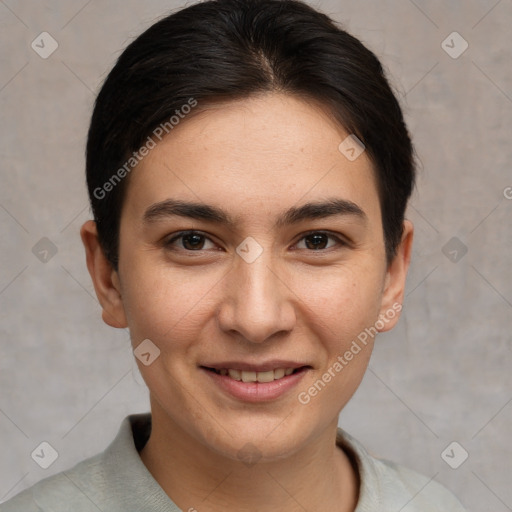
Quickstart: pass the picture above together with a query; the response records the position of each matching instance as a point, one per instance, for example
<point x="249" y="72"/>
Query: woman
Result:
<point x="248" y="169"/>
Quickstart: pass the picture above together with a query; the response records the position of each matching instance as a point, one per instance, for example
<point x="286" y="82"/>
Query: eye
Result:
<point x="190" y="241"/>
<point x="195" y="241"/>
<point x="319" y="240"/>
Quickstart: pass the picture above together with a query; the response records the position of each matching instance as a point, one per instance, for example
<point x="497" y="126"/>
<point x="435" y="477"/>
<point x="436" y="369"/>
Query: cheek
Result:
<point x="342" y="309"/>
<point x="161" y="303"/>
<point x="344" y="300"/>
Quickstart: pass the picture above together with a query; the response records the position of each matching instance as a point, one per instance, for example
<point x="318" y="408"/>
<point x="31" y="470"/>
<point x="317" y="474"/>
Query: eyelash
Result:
<point x="168" y="244"/>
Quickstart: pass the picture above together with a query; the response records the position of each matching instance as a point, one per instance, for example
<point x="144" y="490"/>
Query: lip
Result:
<point x="255" y="392"/>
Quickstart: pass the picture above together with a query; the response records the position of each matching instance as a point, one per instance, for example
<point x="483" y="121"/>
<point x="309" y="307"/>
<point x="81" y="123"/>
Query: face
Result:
<point x="279" y="264"/>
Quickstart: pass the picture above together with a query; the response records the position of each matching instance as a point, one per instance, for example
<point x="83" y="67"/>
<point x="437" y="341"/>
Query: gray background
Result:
<point x="442" y="375"/>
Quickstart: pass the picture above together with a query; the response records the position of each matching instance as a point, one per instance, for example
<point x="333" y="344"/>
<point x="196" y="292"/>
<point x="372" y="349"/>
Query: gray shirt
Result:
<point x="117" y="480"/>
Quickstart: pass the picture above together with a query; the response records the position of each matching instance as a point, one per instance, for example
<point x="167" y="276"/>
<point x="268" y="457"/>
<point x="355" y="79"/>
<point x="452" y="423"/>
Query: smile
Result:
<point x="251" y="376"/>
<point x="249" y="385"/>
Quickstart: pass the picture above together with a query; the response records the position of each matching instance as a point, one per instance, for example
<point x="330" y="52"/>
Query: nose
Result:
<point x="257" y="303"/>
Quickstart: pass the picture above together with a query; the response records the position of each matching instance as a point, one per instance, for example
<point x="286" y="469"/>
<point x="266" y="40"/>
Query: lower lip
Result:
<point x="256" y="391"/>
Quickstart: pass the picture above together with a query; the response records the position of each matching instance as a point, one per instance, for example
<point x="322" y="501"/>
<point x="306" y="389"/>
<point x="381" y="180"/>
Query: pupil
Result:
<point x="318" y="241"/>
<point x="196" y="241"/>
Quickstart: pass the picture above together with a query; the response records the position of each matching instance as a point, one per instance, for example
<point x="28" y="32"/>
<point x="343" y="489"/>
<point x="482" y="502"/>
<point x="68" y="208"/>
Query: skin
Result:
<point x="255" y="159"/>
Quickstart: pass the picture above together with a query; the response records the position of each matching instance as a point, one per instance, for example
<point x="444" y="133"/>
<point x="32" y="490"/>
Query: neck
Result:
<point x="199" y="479"/>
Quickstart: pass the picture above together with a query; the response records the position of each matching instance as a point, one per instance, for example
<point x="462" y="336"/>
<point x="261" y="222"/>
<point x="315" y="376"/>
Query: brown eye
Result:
<point x="193" y="241"/>
<point x="190" y="241"/>
<point x="318" y="240"/>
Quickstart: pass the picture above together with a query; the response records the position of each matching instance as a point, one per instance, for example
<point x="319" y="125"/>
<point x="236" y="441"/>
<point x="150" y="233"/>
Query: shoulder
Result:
<point x="107" y="481"/>
<point x="413" y="491"/>
<point x="58" y="492"/>
<point x="386" y="485"/>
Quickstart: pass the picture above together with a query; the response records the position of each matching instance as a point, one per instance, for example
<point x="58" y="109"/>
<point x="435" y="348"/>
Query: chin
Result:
<point x="257" y="440"/>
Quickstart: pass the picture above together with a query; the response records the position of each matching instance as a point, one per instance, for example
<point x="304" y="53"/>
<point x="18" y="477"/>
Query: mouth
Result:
<point x="255" y="376"/>
<point x="256" y="383"/>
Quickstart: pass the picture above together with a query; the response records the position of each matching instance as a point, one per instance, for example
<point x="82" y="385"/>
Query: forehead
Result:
<point x="254" y="156"/>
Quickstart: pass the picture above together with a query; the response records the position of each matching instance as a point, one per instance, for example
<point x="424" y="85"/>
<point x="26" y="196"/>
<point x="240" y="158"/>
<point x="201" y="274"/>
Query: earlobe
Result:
<point x="104" y="277"/>
<point x="394" y="288"/>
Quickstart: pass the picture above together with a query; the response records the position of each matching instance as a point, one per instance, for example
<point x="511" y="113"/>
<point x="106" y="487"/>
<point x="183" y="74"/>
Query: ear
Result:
<point x="394" y="283"/>
<point x="104" y="277"/>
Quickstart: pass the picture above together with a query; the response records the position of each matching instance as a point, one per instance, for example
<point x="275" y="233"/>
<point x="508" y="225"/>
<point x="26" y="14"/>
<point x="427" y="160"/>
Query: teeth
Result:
<point x="279" y="374"/>
<point x="265" y="376"/>
<point x="235" y="374"/>
<point x="246" y="376"/>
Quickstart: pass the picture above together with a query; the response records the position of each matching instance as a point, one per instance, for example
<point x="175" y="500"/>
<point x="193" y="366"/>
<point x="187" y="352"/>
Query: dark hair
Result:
<point x="230" y="49"/>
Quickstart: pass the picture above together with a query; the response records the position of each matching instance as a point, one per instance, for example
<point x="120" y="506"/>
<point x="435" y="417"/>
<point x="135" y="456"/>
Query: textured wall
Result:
<point x="442" y="375"/>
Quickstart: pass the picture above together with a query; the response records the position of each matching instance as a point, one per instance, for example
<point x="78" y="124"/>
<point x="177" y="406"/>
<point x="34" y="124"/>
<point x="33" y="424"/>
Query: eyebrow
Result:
<point x="294" y="215"/>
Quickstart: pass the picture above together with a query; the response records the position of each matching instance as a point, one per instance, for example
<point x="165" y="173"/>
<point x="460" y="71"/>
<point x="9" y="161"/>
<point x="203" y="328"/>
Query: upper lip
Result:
<point x="254" y="367"/>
